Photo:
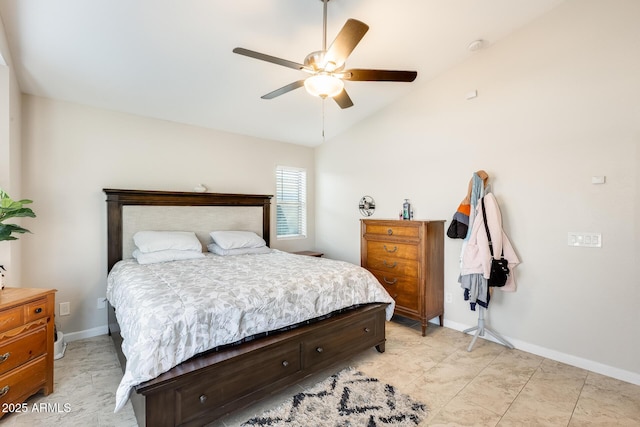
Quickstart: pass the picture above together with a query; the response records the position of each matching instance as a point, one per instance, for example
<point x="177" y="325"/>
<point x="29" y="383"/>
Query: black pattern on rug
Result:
<point x="348" y="398"/>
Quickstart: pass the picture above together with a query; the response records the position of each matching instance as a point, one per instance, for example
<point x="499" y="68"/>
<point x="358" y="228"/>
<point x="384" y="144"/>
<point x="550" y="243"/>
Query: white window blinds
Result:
<point x="291" y="202"/>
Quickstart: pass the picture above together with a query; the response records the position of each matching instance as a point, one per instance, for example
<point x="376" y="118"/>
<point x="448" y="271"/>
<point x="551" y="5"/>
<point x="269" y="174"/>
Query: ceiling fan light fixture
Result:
<point x="323" y="85"/>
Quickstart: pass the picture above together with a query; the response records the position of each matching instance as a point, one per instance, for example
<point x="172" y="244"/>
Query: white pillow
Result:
<point x="213" y="248"/>
<point x="151" y="241"/>
<point x="165" y="256"/>
<point x="237" y="239"/>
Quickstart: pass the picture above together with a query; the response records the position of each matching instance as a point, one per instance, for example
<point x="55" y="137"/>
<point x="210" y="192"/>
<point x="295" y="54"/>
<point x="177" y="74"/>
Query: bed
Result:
<point x="218" y="381"/>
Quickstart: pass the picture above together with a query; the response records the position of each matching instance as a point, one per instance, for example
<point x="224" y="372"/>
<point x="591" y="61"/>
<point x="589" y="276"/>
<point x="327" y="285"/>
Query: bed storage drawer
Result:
<point x="230" y="382"/>
<point x="329" y="345"/>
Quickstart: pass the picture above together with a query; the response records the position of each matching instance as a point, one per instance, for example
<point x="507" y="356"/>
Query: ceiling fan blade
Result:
<point x="361" y="75"/>
<point x="347" y="39"/>
<point x="283" y="90"/>
<point x="268" y="58"/>
<point x="343" y="99"/>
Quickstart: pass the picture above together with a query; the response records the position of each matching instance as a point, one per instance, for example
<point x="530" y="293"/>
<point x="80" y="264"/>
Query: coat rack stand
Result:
<point x="481" y="329"/>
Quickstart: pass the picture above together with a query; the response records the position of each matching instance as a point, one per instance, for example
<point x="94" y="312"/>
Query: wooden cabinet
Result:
<point x="407" y="258"/>
<point x="26" y="343"/>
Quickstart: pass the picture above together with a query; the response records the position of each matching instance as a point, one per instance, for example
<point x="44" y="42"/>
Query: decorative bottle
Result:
<point x="406" y="209"/>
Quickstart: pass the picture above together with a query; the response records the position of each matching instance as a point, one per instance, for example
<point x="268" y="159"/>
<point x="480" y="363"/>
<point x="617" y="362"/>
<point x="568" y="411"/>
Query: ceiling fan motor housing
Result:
<point x="315" y="60"/>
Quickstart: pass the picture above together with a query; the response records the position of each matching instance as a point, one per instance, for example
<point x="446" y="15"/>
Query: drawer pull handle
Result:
<point x="319" y="349"/>
<point x="390" y="282"/>
<point x="38" y="310"/>
<point x="203" y="398"/>
<point x="395" y="296"/>
<point x="285" y="363"/>
<point x="4" y="390"/>
<point x="395" y="248"/>
<point x="4" y="357"/>
<point x="367" y="330"/>
<point x="390" y="231"/>
<point x="386" y="264"/>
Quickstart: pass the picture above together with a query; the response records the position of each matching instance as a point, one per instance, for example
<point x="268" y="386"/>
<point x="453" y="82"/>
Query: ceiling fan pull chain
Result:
<point x="323" y="119"/>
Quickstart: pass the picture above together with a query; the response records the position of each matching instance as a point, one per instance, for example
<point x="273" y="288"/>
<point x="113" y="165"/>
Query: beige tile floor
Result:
<point x="489" y="386"/>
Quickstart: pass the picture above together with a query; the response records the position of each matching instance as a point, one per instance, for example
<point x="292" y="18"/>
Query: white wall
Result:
<point x="558" y="103"/>
<point x="72" y="152"/>
<point x="10" y="143"/>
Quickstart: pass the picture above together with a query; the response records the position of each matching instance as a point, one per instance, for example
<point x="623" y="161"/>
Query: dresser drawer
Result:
<point x="21" y="381"/>
<point x="404" y="290"/>
<point x="11" y="318"/>
<point x="395" y="230"/>
<point x="388" y="250"/>
<point x="326" y="347"/>
<point x="35" y="310"/>
<point x="22" y="348"/>
<point x="227" y="384"/>
<point x="394" y="265"/>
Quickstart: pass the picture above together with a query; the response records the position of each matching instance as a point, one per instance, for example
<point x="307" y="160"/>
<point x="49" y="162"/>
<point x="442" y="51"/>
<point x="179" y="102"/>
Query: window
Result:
<point x="291" y="202"/>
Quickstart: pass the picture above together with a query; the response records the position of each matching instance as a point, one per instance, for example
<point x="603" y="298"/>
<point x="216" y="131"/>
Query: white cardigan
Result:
<point x="476" y="258"/>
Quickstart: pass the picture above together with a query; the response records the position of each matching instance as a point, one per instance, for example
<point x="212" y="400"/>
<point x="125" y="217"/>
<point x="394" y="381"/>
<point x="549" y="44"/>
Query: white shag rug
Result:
<point x="348" y="398"/>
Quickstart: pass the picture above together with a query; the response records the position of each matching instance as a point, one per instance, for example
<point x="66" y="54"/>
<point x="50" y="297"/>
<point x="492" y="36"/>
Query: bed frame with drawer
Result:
<point x="211" y="385"/>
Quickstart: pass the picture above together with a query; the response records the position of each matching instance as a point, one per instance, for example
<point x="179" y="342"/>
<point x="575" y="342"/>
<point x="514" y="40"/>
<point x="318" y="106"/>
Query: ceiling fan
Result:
<point x="327" y="66"/>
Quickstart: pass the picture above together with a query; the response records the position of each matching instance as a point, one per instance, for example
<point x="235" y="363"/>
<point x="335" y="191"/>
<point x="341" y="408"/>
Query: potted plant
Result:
<point x="12" y="209"/>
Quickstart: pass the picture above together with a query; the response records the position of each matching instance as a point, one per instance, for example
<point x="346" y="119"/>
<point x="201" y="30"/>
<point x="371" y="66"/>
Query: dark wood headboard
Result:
<point x="116" y="199"/>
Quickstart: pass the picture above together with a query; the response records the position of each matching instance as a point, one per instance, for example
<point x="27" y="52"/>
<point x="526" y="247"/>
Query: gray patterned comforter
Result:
<point x="169" y="312"/>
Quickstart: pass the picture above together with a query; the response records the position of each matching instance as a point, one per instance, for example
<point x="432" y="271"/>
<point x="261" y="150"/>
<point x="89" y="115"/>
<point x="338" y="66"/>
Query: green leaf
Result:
<point x="12" y="228"/>
<point x="17" y="213"/>
<point x="13" y="209"/>
<point x="5" y="233"/>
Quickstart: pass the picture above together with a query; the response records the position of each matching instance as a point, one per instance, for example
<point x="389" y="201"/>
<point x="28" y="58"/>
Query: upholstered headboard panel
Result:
<point x="199" y="219"/>
<point x="129" y="211"/>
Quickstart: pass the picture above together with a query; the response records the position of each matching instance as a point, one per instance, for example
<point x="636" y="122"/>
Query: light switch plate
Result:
<point x="589" y="240"/>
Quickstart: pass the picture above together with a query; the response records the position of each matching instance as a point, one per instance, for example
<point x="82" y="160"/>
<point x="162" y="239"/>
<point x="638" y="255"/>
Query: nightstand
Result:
<point x="309" y="253"/>
<point x="26" y="343"/>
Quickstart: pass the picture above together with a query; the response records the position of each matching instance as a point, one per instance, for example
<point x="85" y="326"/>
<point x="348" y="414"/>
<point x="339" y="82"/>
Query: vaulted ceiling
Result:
<point x="173" y="60"/>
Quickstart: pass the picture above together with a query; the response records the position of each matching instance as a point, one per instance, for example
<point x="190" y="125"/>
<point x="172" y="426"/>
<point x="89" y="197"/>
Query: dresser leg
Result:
<point x="380" y="348"/>
<point x="441" y="317"/>
<point x="424" y="328"/>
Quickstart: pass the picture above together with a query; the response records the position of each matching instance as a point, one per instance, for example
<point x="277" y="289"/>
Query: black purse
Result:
<point x="499" y="267"/>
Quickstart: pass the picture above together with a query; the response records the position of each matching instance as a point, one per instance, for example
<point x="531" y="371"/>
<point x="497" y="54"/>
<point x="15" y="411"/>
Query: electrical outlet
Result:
<point x="448" y="297"/>
<point x="65" y="308"/>
<point x="101" y="303"/>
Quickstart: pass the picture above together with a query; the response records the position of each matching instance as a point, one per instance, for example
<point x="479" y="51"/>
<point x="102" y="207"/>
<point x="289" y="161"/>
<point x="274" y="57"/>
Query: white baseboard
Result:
<point x="579" y="362"/>
<point x="87" y="333"/>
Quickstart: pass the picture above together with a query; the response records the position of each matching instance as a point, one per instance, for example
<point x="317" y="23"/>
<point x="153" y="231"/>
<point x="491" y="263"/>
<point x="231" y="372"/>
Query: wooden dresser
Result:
<point x="407" y="257"/>
<point x="26" y="344"/>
